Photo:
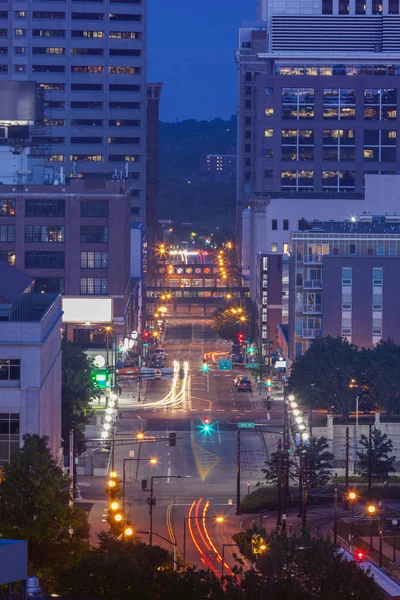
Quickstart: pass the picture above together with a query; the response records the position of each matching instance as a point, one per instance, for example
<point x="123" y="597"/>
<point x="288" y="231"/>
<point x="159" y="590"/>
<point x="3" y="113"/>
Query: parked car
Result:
<point x="244" y="384"/>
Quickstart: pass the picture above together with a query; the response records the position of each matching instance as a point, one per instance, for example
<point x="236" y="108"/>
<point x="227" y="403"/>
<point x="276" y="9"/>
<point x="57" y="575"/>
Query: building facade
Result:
<point x="30" y="363"/>
<point x="152" y="179"/>
<point x="90" y="59"/>
<point x="220" y="166"/>
<point x="75" y="240"/>
<point x="343" y="282"/>
<point x="270" y="300"/>
<point x="317" y="105"/>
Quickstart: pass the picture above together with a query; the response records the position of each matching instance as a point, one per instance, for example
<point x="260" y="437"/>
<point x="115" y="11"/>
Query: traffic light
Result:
<point x="206" y="424"/>
<point x="204" y="366"/>
<point x="279" y="444"/>
<point x="360" y="556"/>
<point x="287" y="447"/>
<point x="146" y="335"/>
<point x="172" y="439"/>
<point x="268" y="383"/>
<point x="240" y="338"/>
<point x="144" y="485"/>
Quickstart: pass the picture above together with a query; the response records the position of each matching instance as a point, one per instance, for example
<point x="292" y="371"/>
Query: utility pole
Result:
<point x="304" y="492"/>
<point x="238" y="512"/>
<point x="335" y="513"/>
<point x="279" y="513"/>
<point x="285" y="467"/>
<point x="346" y="500"/>
<point x="152" y="501"/>
<point x="370" y="458"/>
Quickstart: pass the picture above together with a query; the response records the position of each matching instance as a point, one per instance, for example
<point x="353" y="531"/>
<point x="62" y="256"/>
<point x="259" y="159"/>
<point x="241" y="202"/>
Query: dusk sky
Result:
<point x="191" y="49"/>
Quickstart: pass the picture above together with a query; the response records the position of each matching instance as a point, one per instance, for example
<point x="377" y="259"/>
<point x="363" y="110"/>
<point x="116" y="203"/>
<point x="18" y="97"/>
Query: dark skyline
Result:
<point x="191" y="50"/>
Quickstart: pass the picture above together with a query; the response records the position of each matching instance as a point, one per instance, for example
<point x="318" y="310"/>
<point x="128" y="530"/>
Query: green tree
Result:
<point x="319" y="460"/>
<point x="78" y="389"/>
<point x="272" y="467"/>
<point x="378" y="456"/>
<point x="379" y="376"/>
<point x="34" y="506"/>
<point x="226" y="323"/>
<point x="321" y="376"/>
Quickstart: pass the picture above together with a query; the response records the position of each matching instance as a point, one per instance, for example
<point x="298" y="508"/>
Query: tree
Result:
<point x="379" y="376"/>
<point x="319" y="460"/>
<point x="226" y="323"/>
<point x="34" y="506"/>
<point x="78" y="389"/>
<point x="377" y="457"/>
<point x="272" y="466"/>
<point x="321" y="376"/>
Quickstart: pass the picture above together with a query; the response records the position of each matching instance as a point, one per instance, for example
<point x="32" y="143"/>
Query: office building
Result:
<point x="30" y="363"/>
<point x="74" y="239"/>
<point x="152" y="178"/>
<point x="318" y="95"/>
<point x="270" y="300"/>
<point x="90" y="60"/>
<point x="219" y="166"/>
<point x="344" y="282"/>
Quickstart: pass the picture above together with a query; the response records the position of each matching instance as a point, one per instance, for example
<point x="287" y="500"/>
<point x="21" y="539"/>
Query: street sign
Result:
<point x="280" y="364"/>
<point x="252" y="365"/>
<point x="131" y="453"/>
<point x="145" y="345"/>
<point x="224" y="364"/>
<point x="246" y="425"/>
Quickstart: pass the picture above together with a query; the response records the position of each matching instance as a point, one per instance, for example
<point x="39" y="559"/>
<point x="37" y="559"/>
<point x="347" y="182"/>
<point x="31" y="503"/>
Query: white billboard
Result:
<point x="87" y="310"/>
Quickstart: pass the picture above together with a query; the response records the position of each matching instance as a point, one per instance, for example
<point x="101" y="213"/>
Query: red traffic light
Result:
<point x="146" y="334"/>
<point x="206" y="421"/>
<point x="360" y="555"/>
<point x="240" y="337"/>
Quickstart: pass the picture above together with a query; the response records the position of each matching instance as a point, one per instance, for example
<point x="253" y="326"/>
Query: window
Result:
<point x="7" y="233"/>
<point x="90" y="104"/>
<point x="94" y="234"/>
<point x="20" y="14"/>
<point x="269" y="112"/>
<point x="392" y="250"/>
<point x="49" y="285"/>
<point x="327" y="7"/>
<point x="123" y="123"/>
<point x="81" y="16"/>
<point x="9" y="436"/>
<point x="380" y="104"/>
<point x="297" y="144"/>
<point x="87" y="122"/>
<point x="54" y="104"/>
<point x="124" y="140"/>
<point x="77" y="33"/>
<point x="286" y="248"/>
<point x="8" y="256"/>
<point x="86" y="87"/>
<point x="268" y="132"/>
<point x="94" y="260"/>
<point x="274" y="247"/>
<point x="380" y="250"/>
<point x="55" y="158"/>
<point x="393" y="7"/>
<point x="86" y="140"/>
<point x="124" y="35"/>
<point x="124" y="52"/>
<point x="40" y="50"/>
<point x="346" y="276"/>
<point x="124" y="157"/>
<point x="274" y="224"/>
<point x="268" y="174"/>
<point x="352" y="249"/>
<point x="124" y="17"/>
<point x="377" y="7"/>
<point x="285" y="224"/>
<point x="52" y="86"/>
<point x="94" y="286"/>
<point x="20" y="32"/>
<point x="48" y="69"/>
<point x="87" y="51"/>
<point x="44" y="260"/>
<point x="361" y="7"/>
<point x="41" y="14"/>
<point x="44" y="233"/>
<point x="377" y="277"/>
<point x="124" y="105"/>
<point x="380" y="145"/>
<point x="338" y="144"/>
<point x="19" y="50"/>
<point x="344" y="7"/>
<point x="45" y="208"/>
<point x="339" y="104"/>
<point x="297" y="103"/>
<point x="48" y="33"/>
<point x="87" y="69"/>
<point x="124" y="87"/>
<point x="124" y="70"/>
<point x="297" y="180"/>
<point x="7" y="208"/>
<point x="94" y="208"/>
<point x="86" y="157"/>
<point x="269" y="153"/>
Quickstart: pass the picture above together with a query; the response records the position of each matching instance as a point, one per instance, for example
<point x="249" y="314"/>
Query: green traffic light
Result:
<point x="206" y="428"/>
<point x="204" y="368"/>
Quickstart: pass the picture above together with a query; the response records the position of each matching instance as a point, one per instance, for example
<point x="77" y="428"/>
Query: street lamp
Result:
<point x="218" y="519"/>
<point x="371" y="510"/>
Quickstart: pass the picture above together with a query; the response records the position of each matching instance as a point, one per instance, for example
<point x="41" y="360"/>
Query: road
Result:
<point x="196" y="480"/>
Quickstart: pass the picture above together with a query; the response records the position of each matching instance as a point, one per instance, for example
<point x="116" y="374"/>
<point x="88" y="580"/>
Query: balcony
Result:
<point x="312" y="308"/>
<point x="312" y="259"/>
<point x="311" y="333"/>
<point x="313" y="283"/>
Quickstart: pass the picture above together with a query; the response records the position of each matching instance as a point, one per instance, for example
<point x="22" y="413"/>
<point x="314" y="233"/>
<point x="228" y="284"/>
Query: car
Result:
<point x="159" y="352"/>
<point x="239" y="378"/>
<point x="244" y="384"/>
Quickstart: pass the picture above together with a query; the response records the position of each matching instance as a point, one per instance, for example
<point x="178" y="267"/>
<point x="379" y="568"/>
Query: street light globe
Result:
<point x="118" y="517"/>
<point x="263" y="547"/>
<point x="220" y="519"/>
<point x="305" y="437"/>
<point x="153" y="461"/>
<point x="352" y="496"/>
<point x="111" y="404"/>
<point x="107" y="426"/>
<point x="291" y="398"/>
<point x="301" y="426"/>
<point x="104" y="435"/>
<point x="128" y="531"/>
<point x="108" y="418"/>
<point x="114" y="506"/>
<point x="140" y="435"/>
<point x="299" y="420"/>
<point x="293" y="404"/>
<point x="296" y="412"/>
<point x="109" y="411"/>
<point x="113" y="474"/>
<point x="114" y="396"/>
<point x="371" y="509"/>
<point x="111" y="483"/>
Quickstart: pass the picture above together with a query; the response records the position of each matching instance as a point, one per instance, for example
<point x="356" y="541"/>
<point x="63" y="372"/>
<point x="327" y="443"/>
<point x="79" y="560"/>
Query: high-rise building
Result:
<point x="343" y="282"/>
<point x="90" y="59"/>
<point x="318" y="93"/>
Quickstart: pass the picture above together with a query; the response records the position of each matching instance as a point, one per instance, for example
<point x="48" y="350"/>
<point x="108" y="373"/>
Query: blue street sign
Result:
<point x="224" y="364"/>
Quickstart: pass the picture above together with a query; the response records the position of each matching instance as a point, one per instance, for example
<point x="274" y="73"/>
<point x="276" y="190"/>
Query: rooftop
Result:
<point x="366" y="224"/>
<point x="13" y="283"/>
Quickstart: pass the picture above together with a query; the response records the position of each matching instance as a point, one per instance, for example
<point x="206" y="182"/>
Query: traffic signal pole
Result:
<point x="238" y="512"/>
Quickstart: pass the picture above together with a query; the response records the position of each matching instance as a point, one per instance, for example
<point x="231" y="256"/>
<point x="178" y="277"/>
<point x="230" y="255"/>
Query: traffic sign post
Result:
<point x="246" y="425"/>
<point x="224" y="364"/>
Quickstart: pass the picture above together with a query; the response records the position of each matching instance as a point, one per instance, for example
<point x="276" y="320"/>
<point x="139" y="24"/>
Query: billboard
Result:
<point x="18" y="101"/>
<point x="87" y="310"/>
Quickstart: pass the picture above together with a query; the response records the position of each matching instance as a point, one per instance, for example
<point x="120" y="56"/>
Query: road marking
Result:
<point x="219" y="437"/>
<point x="205" y="460"/>
<point x="268" y="416"/>
<point x="235" y="410"/>
<point x="169" y="474"/>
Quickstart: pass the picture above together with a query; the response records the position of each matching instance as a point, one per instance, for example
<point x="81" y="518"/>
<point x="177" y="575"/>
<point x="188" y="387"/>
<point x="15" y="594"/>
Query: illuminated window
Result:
<point x="124" y="35"/>
<point x="124" y="70"/>
<point x="86" y="157"/>
<point x="76" y="33"/>
<point x="269" y="112"/>
<point x="94" y="286"/>
<point x="268" y="132"/>
<point x="55" y="158"/>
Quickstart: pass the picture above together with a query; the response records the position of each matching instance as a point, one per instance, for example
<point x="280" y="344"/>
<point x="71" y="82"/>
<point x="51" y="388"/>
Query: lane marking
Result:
<point x="169" y="474"/>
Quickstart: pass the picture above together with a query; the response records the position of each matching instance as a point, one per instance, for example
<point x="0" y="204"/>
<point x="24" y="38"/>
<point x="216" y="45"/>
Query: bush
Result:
<point x="264" y="497"/>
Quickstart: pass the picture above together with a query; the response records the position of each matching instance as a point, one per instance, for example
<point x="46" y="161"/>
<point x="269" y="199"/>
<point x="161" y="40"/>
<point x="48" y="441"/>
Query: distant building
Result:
<point x="152" y="170"/>
<point x="344" y="282"/>
<point x="269" y="300"/>
<point x="220" y="166"/>
<point x="30" y="363"/>
<point x="74" y="239"/>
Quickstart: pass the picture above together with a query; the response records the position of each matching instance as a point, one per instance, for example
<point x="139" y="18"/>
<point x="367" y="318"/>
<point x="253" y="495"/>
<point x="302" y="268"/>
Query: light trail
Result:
<point x="219" y="557"/>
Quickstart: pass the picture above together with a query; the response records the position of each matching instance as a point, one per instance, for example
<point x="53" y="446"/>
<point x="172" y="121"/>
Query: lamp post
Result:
<point x="352" y="498"/>
<point x="223" y="559"/>
<point x="219" y="519"/>
<point x="371" y="511"/>
<point x="335" y="513"/>
<point x="152" y="502"/>
<point x="151" y="461"/>
<point x="107" y="329"/>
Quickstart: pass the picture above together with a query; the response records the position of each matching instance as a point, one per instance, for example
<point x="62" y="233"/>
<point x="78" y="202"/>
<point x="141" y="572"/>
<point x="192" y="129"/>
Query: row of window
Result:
<point x="82" y="51"/>
<point x="90" y="140"/>
<point x="117" y="158"/>
<point x="378" y="153"/>
<point x="332" y="70"/>
<point x="91" y="87"/>
<point x="360" y="7"/>
<point x="75" y="33"/>
<point x="81" y="16"/>
<point x="93" y="122"/>
<point x="93" y="104"/>
<point x="54" y="208"/>
<point x="112" y="70"/>
<point x="296" y="180"/>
